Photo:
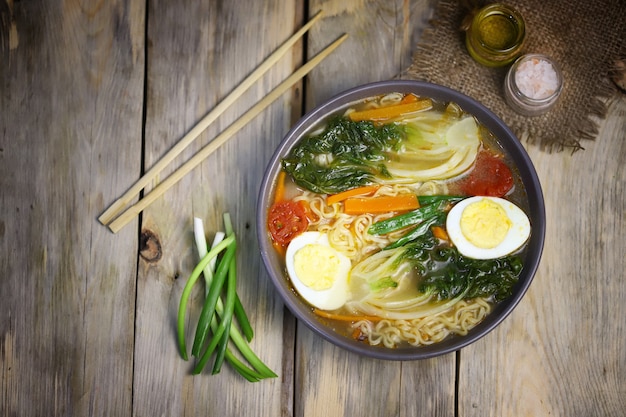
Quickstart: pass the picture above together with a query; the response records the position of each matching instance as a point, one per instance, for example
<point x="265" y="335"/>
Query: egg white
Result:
<point x="516" y="236"/>
<point x="328" y="299"/>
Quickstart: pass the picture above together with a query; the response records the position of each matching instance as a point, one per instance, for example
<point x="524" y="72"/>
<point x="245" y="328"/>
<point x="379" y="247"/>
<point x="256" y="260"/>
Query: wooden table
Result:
<point x="92" y="93"/>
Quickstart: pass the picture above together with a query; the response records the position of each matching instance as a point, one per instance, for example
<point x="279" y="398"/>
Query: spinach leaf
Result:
<point x="447" y="274"/>
<point x="345" y="155"/>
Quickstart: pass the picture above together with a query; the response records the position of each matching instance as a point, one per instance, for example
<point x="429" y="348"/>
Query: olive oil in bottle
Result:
<point x="496" y="35"/>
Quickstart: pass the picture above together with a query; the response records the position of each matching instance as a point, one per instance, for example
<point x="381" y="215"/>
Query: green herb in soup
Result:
<point x="345" y="155"/>
<point x="429" y="274"/>
<point x="348" y="154"/>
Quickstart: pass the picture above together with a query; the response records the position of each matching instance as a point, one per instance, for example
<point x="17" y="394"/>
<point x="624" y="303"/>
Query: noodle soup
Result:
<point x="399" y="221"/>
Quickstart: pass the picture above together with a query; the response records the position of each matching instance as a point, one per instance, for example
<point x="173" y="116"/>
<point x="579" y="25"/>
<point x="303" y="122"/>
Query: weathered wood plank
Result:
<point x="198" y="52"/>
<point x="382" y="37"/>
<point x="562" y="350"/>
<point x="330" y="381"/>
<point x="71" y="86"/>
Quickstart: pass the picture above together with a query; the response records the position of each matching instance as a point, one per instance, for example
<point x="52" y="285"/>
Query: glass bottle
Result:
<point x="495" y="36"/>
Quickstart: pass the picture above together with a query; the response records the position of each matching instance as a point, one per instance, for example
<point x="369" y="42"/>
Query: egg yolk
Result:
<point x="485" y="224"/>
<point x="316" y="266"/>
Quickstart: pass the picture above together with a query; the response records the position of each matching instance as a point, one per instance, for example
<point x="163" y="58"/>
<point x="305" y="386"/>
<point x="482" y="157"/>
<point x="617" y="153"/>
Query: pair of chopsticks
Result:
<point x="116" y="218"/>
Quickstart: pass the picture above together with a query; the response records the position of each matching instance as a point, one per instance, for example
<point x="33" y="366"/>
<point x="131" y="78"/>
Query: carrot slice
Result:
<point x="382" y="204"/>
<point x="365" y="190"/>
<point x="279" y="195"/>
<point x="357" y="334"/>
<point x="409" y="98"/>
<point x="440" y="233"/>
<point x="342" y="317"/>
<point x="390" y="112"/>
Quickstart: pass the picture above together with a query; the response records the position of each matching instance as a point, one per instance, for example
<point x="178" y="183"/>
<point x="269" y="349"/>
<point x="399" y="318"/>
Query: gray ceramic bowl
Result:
<point x="511" y="145"/>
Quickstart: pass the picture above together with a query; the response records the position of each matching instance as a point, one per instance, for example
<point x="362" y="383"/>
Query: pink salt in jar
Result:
<point x="533" y="84"/>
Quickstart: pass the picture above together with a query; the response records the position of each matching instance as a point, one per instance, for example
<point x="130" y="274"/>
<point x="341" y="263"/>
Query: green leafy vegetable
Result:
<point x="419" y="230"/>
<point x="433" y="275"/>
<point x="349" y="154"/>
<point x="432" y="214"/>
<point x="345" y="155"/>
<point x="447" y="274"/>
<point x="405" y="265"/>
<point x="407" y="219"/>
<point x="386" y="282"/>
<point x="430" y="199"/>
<point x="444" y="275"/>
<point x="438" y="275"/>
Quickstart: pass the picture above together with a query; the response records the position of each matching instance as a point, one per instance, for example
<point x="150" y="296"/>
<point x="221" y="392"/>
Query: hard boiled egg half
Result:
<point x="487" y="227"/>
<point x="318" y="272"/>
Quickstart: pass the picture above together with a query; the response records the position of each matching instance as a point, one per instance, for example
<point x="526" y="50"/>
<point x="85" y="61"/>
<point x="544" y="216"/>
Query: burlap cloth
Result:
<point x="585" y="37"/>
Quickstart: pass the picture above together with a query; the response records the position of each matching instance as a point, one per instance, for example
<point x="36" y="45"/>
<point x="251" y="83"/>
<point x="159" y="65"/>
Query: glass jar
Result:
<point x="495" y="36"/>
<point x="533" y="84"/>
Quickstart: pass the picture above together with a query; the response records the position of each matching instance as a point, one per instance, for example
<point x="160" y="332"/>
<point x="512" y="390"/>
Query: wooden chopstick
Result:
<point x="219" y="140"/>
<point x="116" y="208"/>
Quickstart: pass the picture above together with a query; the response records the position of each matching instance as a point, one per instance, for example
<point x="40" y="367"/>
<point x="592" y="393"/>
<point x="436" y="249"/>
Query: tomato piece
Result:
<point x="490" y="177"/>
<point x="286" y="220"/>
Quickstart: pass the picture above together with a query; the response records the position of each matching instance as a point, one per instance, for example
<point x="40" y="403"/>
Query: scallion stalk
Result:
<point x="184" y="299"/>
<point x="231" y="296"/>
<point x="425" y="200"/>
<point x="220" y="320"/>
<point x="240" y="312"/>
<point x="417" y="231"/>
<point x="406" y="219"/>
<point x="208" y="309"/>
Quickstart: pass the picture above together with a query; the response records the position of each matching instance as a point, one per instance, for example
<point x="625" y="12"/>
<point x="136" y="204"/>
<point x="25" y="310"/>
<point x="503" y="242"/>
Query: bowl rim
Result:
<point x="507" y="139"/>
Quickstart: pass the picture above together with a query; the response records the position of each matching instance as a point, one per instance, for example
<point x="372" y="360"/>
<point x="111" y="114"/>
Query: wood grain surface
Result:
<point x="71" y="115"/>
<point x="93" y="93"/>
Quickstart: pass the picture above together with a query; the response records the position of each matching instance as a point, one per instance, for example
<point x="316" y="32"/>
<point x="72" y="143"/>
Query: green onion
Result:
<point x="424" y="200"/>
<point x="201" y="244"/>
<point x="407" y="219"/>
<point x="240" y="313"/>
<point x="208" y="309"/>
<point x="216" y="319"/>
<point x="418" y="231"/>
<point x="195" y="274"/>
<point x="227" y="319"/>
